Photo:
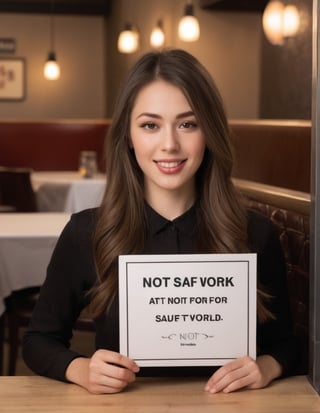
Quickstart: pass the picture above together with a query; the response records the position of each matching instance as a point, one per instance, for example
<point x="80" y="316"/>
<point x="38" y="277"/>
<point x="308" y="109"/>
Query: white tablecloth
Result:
<point x="67" y="191"/>
<point x="26" y="244"/>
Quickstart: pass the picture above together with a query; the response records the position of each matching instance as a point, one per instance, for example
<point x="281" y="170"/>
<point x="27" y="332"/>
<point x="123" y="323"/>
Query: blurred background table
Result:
<point x="67" y="191"/>
<point x="26" y="244"/>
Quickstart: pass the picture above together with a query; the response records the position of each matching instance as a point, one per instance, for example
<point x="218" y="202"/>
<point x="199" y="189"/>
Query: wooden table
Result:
<point x="155" y="395"/>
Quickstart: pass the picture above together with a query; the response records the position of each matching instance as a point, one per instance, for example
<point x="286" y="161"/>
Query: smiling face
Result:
<point x="168" y="143"/>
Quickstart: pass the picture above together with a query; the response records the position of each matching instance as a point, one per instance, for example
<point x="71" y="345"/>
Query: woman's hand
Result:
<point x="106" y="372"/>
<point x="244" y="372"/>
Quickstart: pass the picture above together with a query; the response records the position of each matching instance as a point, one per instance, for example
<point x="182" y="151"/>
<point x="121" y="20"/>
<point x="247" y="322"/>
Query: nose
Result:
<point x="170" y="140"/>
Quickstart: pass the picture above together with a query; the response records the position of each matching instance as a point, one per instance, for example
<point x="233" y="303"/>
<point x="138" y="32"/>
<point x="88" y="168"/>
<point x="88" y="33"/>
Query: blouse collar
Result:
<point x="184" y="223"/>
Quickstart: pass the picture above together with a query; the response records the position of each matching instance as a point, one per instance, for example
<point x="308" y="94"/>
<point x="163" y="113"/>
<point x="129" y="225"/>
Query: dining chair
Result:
<point x="19" y="308"/>
<point x="16" y="192"/>
<point x="16" y="195"/>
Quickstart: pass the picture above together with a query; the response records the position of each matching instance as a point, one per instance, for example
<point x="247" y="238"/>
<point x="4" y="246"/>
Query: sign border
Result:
<point x="182" y="258"/>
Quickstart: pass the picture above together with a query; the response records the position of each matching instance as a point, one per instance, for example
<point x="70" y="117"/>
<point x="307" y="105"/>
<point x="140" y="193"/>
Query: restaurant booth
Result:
<point x="273" y="177"/>
<point x="272" y="164"/>
<point x="271" y="170"/>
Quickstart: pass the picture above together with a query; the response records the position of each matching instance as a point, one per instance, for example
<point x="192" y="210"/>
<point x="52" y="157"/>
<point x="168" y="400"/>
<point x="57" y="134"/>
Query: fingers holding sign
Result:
<point x="105" y="372"/>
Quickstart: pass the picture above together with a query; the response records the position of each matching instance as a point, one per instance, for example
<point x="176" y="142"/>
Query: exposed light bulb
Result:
<point x="272" y="22"/>
<point x="189" y="29"/>
<point x="291" y="21"/>
<point x="51" y="70"/>
<point x="157" y="37"/>
<point x="280" y="21"/>
<point x="128" y="40"/>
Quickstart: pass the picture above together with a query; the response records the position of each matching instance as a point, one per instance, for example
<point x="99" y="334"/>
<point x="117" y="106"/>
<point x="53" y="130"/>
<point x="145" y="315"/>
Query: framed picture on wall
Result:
<point x="12" y="79"/>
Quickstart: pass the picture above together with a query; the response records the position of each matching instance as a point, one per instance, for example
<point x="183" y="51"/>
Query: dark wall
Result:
<point x="286" y="74"/>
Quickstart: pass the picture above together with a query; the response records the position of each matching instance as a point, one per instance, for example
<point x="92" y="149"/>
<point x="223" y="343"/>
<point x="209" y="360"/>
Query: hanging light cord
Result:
<point x="189" y="8"/>
<point x="52" y="27"/>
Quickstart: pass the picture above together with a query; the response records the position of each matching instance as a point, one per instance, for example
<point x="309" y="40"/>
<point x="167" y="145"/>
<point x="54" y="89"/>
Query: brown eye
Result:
<point x="188" y="125"/>
<point x="149" y="125"/>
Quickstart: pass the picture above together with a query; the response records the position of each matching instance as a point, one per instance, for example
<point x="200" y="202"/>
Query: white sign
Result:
<point x="187" y="310"/>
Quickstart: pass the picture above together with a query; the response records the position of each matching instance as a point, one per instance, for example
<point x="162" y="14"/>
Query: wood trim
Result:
<point x="279" y="197"/>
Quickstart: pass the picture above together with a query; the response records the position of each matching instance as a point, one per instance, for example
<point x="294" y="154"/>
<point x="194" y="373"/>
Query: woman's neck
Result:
<point x="169" y="204"/>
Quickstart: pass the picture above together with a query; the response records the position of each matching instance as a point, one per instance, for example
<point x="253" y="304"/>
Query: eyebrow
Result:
<point x="155" y="116"/>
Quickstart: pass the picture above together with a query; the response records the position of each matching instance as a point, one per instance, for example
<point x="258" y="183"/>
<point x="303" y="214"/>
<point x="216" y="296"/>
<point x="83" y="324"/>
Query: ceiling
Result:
<point x="234" y="5"/>
<point x="103" y="7"/>
<point x="89" y="7"/>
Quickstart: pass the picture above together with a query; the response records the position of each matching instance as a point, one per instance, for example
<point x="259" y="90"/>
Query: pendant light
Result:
<point x="280" y="21"/>
<point x="291" y="21"/>
<point x="128" y="40"/>
<point x="189" y="29"/>
<point x="51" y="70"/>
<point x="157" y="37"/>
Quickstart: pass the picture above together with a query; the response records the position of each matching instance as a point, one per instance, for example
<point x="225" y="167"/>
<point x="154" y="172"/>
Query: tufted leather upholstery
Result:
<point x="294" y="236"/>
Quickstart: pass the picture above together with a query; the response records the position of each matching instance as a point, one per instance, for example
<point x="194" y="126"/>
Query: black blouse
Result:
<point x="71" y="273"/>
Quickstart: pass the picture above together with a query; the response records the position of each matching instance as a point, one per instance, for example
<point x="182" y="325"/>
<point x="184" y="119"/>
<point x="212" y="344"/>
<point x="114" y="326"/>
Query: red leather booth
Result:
<point x="50" y="144"/>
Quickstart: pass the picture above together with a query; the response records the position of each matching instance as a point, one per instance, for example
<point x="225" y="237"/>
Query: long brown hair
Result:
<point x="120" y="229"/>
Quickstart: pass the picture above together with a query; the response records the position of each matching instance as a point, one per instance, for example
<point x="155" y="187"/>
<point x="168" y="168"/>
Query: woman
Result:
<point x="169" y="190"/>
